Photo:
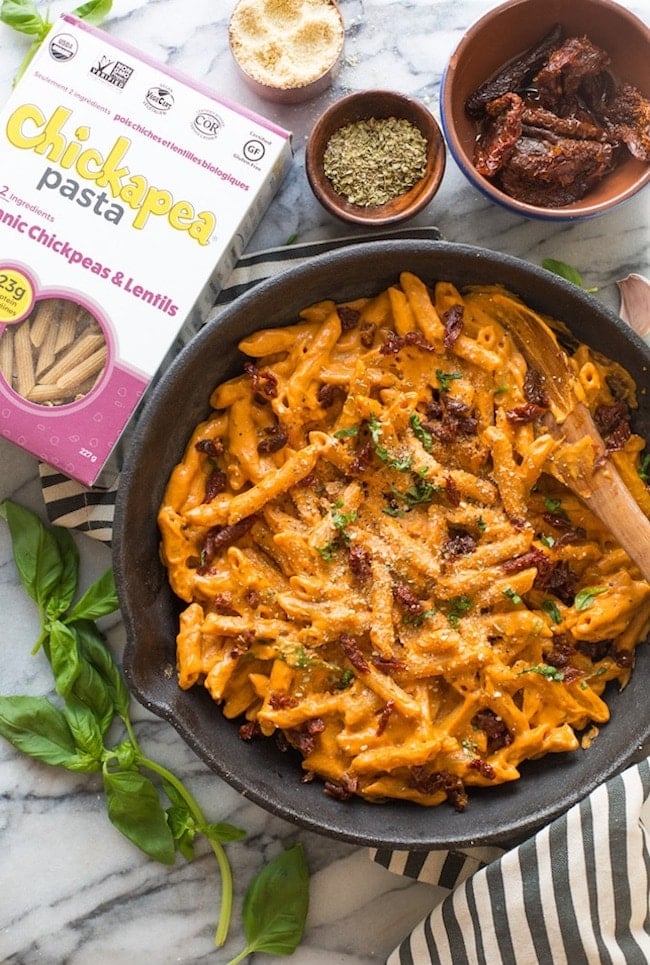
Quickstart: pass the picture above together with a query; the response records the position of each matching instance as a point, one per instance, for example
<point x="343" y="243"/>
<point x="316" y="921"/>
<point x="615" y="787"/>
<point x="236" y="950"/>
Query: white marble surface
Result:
<point x="72" y="890"/>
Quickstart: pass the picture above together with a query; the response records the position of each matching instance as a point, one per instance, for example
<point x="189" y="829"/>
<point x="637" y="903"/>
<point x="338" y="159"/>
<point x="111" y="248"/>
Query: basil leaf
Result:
<point x="420" y="432"/>
<point x="94" y="692"/>
<point x="85" y="731"/>
<point x="222" y="831"/>
<point x="134" y="808"/>
<point x="67" y="585"/>
<point x="552" y="610"/>
<point x="94" y="11"/>
<point x="565" y="271"/>
<point x="64" y="657"/>
<point x="276" y="904"/>
<point x="94" y="650"/>
<point x="544" y="670"/>
<point x="36" y="552"/>
<point x="23" y="16"/>
<point x="585" y="597"/>
<point x="183" y="828"/>
<point x="39" y="729"/>
<point x="99" y="599"/>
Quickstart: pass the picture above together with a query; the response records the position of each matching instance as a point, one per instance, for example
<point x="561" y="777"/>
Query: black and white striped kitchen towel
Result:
<point x="576" y="892"/>
<point x="91" y="510"/>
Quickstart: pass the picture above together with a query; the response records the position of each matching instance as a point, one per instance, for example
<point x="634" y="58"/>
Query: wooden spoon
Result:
<point x="581" y="461"/>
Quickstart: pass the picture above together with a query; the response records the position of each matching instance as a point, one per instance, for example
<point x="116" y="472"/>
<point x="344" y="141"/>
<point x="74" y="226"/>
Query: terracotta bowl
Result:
<point x="271" y="29"/>
<point x="378" y="104"/>
<point x="259" y="769"/>
<point x="507" y="31"/>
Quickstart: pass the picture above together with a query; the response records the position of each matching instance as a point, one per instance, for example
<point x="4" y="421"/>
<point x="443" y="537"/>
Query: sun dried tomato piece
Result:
<point x="304" y="738"/>
<point x="534" y="388"/>
<point x="404" y="595"/>
<point x="388" y="664"/>
<point x="579" y="127"/>
<point x="211" y="447"/>
<point x="559" y="80"/>
<point x="431" y="782"/>
<point x="384" y="716"/>
<point x="499" y="134"/>
<point x="219" y="536"/>
<point x="360" y="564"/>
<point x="250" y="730"/>
<point x="353" y="652"/>
<point x="559" y="580"/>
<point x="282" y="701"/>
<point x="524" y="414"/>
<point x="394" y="343"/>
<point x="516" y="74"/>
<point x="362" y="459"/>
<point x="494" y="728"/>
<point x="452" y="492"/>
<point x="216" y="483"/>
<point x="349" y="317"/>
<point x="554" y="171"/>
<point x="343" y="789"/>
<point x="484" y="768"/>
<point x="627" y="116"/>
<point x="613" y="423"/>
<point x="328" y="394"/>
<point x="453" y="322"/>
<point x="460" y="544"/>
<point x="274" y="438"/>
<point x="264" y="383"/>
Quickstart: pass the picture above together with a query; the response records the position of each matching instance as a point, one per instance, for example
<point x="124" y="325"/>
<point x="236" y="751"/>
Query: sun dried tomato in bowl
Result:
<point x="554" y="122"/>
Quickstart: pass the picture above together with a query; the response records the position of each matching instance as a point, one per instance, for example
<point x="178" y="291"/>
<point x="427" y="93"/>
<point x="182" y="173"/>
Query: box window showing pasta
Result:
<point x="128" y="192"/>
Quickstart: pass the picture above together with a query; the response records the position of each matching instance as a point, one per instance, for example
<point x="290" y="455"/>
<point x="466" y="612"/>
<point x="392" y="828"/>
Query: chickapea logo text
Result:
<point x="29" y="129"/>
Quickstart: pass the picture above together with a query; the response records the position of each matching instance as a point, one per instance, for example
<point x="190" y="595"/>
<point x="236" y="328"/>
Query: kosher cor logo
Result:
<point x="113" y="72"/>
<point x="206" y="123"/>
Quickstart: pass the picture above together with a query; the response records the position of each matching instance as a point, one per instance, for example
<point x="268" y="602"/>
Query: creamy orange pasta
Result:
<point x="380" y="563"/>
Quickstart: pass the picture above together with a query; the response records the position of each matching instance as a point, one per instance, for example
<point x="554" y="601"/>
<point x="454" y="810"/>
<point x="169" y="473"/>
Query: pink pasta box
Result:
<point x="127" y="194"/>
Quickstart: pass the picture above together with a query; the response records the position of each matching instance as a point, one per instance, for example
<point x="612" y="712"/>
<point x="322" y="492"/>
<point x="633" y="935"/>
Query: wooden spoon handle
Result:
<point x="581" y="462"/>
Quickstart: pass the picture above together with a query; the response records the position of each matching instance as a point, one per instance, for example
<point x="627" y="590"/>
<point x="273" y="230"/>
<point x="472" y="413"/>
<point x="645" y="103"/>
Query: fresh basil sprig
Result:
<point x="25" y="17"/>
<point x="157" y="813"/>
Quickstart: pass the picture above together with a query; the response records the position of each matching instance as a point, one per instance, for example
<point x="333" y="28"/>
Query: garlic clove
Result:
<point x="635" y="303"/>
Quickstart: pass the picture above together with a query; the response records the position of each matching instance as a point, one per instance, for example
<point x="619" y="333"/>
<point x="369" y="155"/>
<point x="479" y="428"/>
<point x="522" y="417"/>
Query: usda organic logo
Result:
<point x="63" y="47"/>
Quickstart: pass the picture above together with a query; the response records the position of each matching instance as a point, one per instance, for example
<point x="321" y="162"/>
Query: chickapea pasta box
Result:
<point x="127" y="193"/>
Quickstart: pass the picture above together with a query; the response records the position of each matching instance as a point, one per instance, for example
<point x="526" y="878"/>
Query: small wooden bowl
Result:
<point x="379" y="104"/>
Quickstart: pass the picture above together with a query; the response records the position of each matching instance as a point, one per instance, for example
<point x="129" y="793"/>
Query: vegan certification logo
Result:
<point x="113" y="72"/>
<point x="63" y="47"/>
<point x="159" y="99"/>
<point x="207" y="124"/>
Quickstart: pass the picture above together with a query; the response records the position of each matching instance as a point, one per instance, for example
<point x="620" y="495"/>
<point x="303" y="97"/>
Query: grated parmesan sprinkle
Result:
<point x="286" y="43"/>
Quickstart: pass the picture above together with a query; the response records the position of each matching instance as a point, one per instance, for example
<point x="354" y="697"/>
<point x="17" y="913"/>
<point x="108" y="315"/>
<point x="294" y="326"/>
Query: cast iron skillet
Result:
<point x="258" y="769"/>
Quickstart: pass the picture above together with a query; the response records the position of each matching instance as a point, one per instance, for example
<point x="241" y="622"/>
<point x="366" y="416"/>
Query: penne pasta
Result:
<point x="379" y="556"/>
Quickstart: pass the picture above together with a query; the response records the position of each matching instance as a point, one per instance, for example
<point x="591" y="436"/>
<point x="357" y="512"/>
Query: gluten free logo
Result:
<point x="113" y="72"/>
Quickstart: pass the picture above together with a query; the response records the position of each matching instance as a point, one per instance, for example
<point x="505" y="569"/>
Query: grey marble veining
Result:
<point x="72" y="890"/>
